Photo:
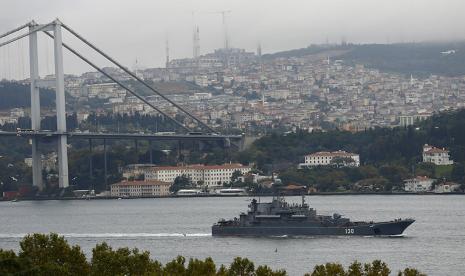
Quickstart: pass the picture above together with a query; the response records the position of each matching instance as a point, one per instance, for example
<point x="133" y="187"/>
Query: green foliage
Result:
<point x="264" y="270"/>
<point x="241" y="267"/>
<point x="410" y="272"/>
<point x="14" y="94"/>
<point x="175" y="267"/>
<point x="181" y="182"/>
<point x="198" y="267"/>
<point x="387" y="155"/>
<point x="376" y="268"/>
<point x="9" y="262"/>
<point x="422" y="59"/>
<point x="328" y="269"/>
<point x="52" y="255"/>
<point x="106" y="261"/>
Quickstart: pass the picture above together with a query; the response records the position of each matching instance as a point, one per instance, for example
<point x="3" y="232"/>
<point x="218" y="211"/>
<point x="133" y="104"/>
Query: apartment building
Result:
<point x="140" y="189"/>
<point x="211" y="175"/>
<point x="325" y="158"/>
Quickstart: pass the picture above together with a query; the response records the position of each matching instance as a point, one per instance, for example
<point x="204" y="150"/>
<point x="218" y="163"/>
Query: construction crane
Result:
<point x="225" y="27"/>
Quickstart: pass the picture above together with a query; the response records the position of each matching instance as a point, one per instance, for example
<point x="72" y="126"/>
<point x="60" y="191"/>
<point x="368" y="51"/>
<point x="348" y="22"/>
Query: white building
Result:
<point x="324" y="158"/>
<point x="213" y="175"/>
<point x="136" y="170"/>
<point x="140" y="189"/>
<point x="418" y="184"/>
<point x="436" y="155"/>
<point x="447" y="187"/>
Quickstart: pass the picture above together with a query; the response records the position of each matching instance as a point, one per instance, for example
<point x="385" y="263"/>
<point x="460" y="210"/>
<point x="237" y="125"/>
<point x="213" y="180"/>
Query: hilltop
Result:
<point x="420" y="59"/>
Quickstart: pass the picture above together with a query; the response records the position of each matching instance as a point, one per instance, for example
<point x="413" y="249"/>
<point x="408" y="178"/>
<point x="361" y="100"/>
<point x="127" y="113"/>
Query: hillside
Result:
<point x="13" y="94"/>
<point x="386" y="154"/>
<point x="419" y="59"/>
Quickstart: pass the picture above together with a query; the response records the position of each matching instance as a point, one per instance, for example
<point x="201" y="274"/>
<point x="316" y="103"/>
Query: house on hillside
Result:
<point x="436" y="156"/>
<point x="338" y="158"/>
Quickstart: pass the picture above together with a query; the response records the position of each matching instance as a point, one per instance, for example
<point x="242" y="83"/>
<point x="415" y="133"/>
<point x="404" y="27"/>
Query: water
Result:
<point x="168" y="227"/>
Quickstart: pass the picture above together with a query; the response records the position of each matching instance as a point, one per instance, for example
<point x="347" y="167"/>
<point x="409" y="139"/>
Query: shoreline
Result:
<point x="213" y="195"/>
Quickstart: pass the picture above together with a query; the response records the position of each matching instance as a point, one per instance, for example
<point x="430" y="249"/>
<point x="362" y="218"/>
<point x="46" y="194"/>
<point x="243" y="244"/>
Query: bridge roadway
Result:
<point x="123" y="136"/>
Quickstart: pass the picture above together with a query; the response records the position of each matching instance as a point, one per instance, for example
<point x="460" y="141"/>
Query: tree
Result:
<point x="241" y="267"/>
<point x="235" y="175"/>
<point x="410" y="272"/>
<point x="201" y="268"/>
<point x="264" y="270"/>
<point x="328" y="269"/>
<point x="123" y="261"/>
<point x="180" y="182"/>
<point x="342" y="161"/>
<point x="175" y="267"/>
<point x="355" y="269"/>
<point x="458" y="172"/>
<point x="376" y="268"/>
<point x="52" y="255"/>
<point x="9" y="262"/>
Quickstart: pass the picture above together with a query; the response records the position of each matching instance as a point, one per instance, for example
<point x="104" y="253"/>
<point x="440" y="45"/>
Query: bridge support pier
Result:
<point x="150" y="152"/>
<point x="105" y="166"/>
<point x="90" y="166"/>
<point x="61" y="108"/>
<point x="35" y="110"/>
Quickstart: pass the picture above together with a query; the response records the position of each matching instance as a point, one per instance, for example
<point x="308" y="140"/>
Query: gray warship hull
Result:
<point x="391" y="228"/>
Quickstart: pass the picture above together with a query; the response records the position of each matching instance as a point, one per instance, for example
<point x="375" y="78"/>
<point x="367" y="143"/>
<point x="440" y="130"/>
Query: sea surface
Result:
<point x="168" y="227"/>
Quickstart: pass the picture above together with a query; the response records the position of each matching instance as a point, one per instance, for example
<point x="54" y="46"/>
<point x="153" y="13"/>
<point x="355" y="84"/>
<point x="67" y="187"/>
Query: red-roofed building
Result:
<point x="325" y="158"/>
<point x="436" y="155"/>
<point x="140" y="189"/>
<point x="211" y="175"/>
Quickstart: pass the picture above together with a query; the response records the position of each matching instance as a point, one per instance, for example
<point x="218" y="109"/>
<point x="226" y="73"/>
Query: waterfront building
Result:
<point x="418" y="184"/>
<point x="446" y="187"/>
<point x="436" y="156"/>
<point x="211" y="175"/>
<point x="136" y="171"/>
<point x="325" y="158"/>
<point x="140" y="189"/>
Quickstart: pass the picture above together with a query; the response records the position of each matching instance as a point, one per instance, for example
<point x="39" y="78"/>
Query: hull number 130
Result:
<point x="349" y="231"/>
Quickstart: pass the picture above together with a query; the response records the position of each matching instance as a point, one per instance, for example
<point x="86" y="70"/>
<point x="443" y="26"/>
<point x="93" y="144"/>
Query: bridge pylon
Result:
<point x="61" y="138"/>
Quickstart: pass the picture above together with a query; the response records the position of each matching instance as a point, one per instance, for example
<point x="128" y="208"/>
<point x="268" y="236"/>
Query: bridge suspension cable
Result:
<point x="16" y="29"/>
<point x="26" y="34"/>
<point x="118" y="82"/>
<point x="136" y="77"/>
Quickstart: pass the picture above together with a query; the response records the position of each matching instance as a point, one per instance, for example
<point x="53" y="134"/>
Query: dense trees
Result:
<point x="14" y="94"/>
<point x="42" y="254"/>
<point x="387" y="155"/>
<point x="181" y="182"/>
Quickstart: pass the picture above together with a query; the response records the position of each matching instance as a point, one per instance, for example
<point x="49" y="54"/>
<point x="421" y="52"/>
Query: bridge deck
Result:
<point x="142" y="136"/>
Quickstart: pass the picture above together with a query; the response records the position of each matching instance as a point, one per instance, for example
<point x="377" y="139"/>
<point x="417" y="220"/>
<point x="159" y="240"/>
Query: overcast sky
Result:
<point x="136" y="29"/>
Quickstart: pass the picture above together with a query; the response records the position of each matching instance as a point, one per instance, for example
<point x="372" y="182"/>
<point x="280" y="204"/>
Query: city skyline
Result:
<point x="143" y="27"/>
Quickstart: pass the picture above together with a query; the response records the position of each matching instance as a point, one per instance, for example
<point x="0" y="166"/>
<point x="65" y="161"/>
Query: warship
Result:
<point x="279" y="218"/>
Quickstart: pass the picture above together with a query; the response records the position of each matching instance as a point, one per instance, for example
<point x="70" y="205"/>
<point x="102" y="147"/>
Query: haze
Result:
<point x="137" y="30"/>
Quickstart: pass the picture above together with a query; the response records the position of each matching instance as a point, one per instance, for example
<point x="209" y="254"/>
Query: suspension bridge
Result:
<point x="36" y="134"/>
